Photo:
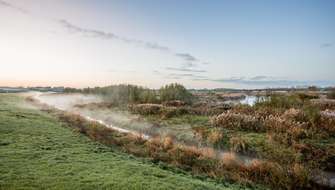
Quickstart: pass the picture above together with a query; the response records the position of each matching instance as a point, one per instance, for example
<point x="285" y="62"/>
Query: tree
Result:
<point x="175" y="91"/>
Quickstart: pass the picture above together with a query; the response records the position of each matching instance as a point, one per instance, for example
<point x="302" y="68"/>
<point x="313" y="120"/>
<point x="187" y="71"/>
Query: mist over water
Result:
<point x="126" y="122"/>
<point x="67" y="102"/>
<point x="116" y="118"/>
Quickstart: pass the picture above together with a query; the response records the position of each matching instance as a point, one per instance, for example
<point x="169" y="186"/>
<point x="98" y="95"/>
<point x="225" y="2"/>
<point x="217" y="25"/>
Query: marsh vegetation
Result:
<point x="281" y="141"/>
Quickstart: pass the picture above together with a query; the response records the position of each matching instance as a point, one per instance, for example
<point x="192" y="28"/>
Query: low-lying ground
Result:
<point x="285" y="141"/>
<point x="39" y="152"/>
<point x="295" y="131"/>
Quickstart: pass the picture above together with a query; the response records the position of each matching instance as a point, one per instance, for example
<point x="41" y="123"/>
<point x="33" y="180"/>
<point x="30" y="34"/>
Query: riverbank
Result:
<point x="39" y="152"/>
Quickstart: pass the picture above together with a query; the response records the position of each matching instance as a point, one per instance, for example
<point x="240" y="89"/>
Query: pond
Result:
<point x="247" y="100"/>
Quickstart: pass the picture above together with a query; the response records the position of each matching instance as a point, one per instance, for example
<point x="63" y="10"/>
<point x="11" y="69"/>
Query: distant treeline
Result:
<point x="291" y="89"/>
<point x="126" y="93"/>
<point x="26" y="89"/>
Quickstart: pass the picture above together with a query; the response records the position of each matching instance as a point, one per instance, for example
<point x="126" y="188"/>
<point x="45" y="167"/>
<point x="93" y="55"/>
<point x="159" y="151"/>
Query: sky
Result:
<point x="201" y="44"/>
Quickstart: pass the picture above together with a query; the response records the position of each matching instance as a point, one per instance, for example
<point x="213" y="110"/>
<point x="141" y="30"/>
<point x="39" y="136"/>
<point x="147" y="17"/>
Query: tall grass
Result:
<point x="331" y="94"/>
<point x="282" y="101"/>
<point x="237" y="121"/>
<point x="290" y="126"/>
<point x="197" y="160"/>
<point x="158" y="109"/>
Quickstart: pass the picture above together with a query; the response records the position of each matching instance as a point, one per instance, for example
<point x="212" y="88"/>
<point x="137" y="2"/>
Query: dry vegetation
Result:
<point x="293" y="137"/>
<point x="198" y="161"/>
<point x="298" y="133"/>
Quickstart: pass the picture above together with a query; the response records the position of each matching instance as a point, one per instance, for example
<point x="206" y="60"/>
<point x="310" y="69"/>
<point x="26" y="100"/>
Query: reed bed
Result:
<point x="199" y="161"/>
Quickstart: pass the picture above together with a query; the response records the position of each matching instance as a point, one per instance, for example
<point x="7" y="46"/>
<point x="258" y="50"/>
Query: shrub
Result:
<point x="308" y="152"/>
<point x="232" y="120"/>
<point x="174" y="103"/>
<point x="200" y="133"/>
<point x="185" y="157"/>
<point x="158" y="148"/>
<point x="215" y="137"/>
<point x="305" y="96"/>
<point x="209" y="110"/>
<point x="284" y="130"/>
<point x="281" y="102"/>
<point x="96" y="105"/>
<point x="293" y="114"/>
<point x="238" y="144"/>
<point x="300" y="176"/>
<point x="146" y="109"/>
<point x="198" y="160"/>
<point x="324" y="104"/>
<point x="311" y="115"/>
<point x="168" y="112"/>
<point x="331" y="94"/>
<point x="157" y="109"/>
<point x="327" y="122"/>
<point x="230" y="160"/>
<point x="270" y="172"/>
<point x="75" y="120"/>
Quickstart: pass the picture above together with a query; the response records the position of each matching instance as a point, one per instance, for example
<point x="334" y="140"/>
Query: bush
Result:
<point x="327" y="122"/>
<point x="238" y="144"/>
<point x="324" y="104"/>
<point x="146" y="109"/>
<point x="168" y="112"/>
<point x="209" y="110"/>
<point x="157" y="109"/>
<point x="282" y="102"/>
<point x="215" y="137"/>
<point x="311" y="115"/>
<point x="308" y="114"/>
<point x="158" y="148"/>
<point x="174" y="103"/>
<point x="268" y="171"/>
<point x="230" y="160"/>
<point x="331" y="94"/>
<point x="305" y="96"/>
<point x="284" y="130"/>
<point x="204" y="160"/>
<point x="232" y="120"/>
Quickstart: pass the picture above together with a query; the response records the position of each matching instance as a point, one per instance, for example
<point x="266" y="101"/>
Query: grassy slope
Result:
<point x="37" y="152"/>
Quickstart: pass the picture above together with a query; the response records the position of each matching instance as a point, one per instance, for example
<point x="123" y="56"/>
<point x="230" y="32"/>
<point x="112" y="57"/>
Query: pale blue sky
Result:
<point x="202" y="44"/>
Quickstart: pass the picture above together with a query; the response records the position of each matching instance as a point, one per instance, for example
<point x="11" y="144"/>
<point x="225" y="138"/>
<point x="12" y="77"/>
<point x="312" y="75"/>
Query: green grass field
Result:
<point x="39" y="152"/>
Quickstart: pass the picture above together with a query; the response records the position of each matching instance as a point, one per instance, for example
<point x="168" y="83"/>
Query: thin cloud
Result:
<point x="268" y="81"/>
<point x="189" y="65"/>
<point x="189" y="76"/>
<point x="260" y="77"/>
<point x="257" y="80"/>
<point x="108" y="35"/>
<point x="186" y="56"/>
<point x="5" y="4"/>
<point x="186" y="70"/>
<point x="92" y="33"/>
<point x="182" y="75"/>
<point x="326" y="45"/>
